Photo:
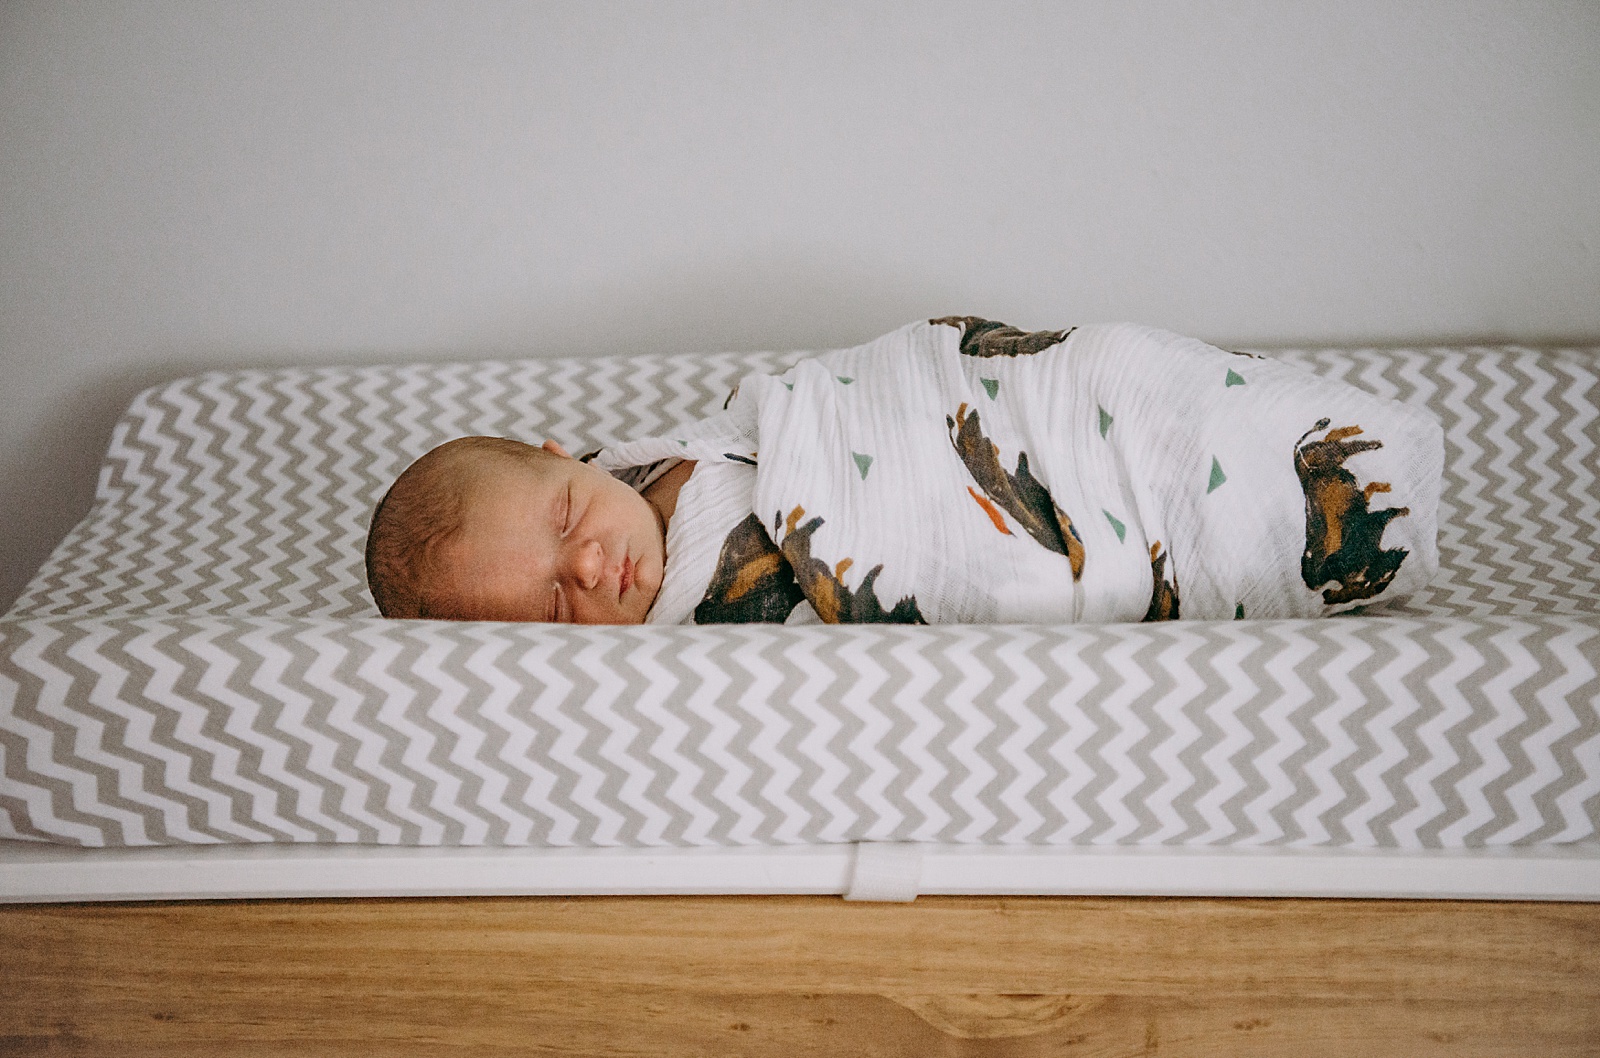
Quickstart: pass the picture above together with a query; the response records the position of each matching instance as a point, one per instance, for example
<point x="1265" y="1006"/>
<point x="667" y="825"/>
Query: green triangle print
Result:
<point x="1122" y="530"/>
<point x="845" y="381"/>
<point x="1233" y="379"/>
<point x="1217" y="476"/>
<point x="862" y="463"/>
<point x="1238" y="611"/>
<point x="991" y="386"/>
<point x="1105" y="420"/>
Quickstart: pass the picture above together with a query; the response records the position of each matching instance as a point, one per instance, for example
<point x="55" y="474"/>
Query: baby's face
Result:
<point x="551" y="540"/>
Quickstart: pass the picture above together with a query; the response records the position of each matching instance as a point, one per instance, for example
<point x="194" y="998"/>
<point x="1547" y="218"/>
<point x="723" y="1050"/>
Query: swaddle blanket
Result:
<point x="959" y="470"/>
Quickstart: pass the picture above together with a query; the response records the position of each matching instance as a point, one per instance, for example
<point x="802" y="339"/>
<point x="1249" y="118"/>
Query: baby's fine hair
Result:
<point x="422" y="510"/>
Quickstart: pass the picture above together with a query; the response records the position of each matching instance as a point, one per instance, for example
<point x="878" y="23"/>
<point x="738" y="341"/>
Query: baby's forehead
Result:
<point x="492" y="480"/>
<point x="499" y="469"/>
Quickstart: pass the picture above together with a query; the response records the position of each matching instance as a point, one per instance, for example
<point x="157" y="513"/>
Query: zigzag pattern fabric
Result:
<point x="199" y="661"/>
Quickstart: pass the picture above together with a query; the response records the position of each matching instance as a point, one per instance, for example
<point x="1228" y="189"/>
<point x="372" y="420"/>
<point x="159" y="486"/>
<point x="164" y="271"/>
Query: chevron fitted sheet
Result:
<point x="198" y="661"/>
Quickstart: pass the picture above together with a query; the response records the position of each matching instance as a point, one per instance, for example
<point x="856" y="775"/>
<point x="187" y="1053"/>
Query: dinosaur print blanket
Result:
<point x="959" y="470"/>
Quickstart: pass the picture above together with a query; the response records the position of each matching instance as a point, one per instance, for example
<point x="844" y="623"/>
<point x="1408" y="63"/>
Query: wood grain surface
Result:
<point x="801" y="976"/>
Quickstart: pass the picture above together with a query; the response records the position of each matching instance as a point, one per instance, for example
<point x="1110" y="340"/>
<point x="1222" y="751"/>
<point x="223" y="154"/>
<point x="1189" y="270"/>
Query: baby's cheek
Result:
<point x="647" y="599"/>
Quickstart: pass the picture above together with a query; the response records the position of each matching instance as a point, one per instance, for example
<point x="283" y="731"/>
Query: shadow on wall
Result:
<point x="47" y="484"/>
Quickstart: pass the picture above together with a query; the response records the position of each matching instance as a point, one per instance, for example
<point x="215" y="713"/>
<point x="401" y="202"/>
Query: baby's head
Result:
<point x="489" y="529"/>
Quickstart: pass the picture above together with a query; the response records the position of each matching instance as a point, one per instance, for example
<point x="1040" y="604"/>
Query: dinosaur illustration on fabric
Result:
<point x="987" y="338"/>
<point x="835" y="603"/>
<point x="753" y="582"/>
<point x="1020" y="495"/>
<point x="1164" y="597"/>
<point x="1344" y="538"/>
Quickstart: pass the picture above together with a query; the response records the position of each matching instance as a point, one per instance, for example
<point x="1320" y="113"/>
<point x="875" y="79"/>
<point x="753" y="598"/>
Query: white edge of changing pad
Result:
<point x="38" y="873"/>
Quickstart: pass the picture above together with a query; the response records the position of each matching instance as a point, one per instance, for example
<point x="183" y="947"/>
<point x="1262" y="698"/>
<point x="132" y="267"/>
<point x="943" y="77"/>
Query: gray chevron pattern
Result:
<point x="198" y="661"/>
<point x="1380" y="732"/>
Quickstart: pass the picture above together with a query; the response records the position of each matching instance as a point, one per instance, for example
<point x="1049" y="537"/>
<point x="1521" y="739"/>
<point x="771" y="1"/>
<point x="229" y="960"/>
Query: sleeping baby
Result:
<point x="491" y="529"/>
<point x="955" y="470"/>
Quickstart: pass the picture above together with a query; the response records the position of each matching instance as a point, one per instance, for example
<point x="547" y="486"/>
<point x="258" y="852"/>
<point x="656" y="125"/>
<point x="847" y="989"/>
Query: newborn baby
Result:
<point x="490" y="529"/>
<point x="956" y="470"/>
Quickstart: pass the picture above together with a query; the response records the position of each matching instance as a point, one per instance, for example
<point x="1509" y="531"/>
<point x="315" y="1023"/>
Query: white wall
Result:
<point x="189" y="185"/>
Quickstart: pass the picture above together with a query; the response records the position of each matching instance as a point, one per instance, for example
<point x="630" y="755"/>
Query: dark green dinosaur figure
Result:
<point x="1344" y="539"/>
<point x="753" y="582"/>
<point x="1164" y="596"/>
<point x="987" y="338"/>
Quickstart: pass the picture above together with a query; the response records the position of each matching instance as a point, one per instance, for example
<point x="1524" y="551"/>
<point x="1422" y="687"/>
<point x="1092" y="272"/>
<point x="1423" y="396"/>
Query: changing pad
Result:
<point x="198" y="661"/>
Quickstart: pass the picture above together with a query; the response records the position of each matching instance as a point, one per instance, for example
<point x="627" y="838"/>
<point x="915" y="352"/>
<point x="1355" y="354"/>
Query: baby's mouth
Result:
<point x="625" y="579"/>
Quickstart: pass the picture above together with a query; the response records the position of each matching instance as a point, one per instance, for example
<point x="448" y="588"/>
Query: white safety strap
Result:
<point x="885" y="870"/>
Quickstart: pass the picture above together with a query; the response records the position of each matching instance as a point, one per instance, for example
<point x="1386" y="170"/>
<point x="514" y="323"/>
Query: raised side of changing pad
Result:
<point x="1349" y="732"/>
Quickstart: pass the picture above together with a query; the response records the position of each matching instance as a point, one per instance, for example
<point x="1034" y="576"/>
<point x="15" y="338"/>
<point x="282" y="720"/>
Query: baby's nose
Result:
<point x="588" y="564"/>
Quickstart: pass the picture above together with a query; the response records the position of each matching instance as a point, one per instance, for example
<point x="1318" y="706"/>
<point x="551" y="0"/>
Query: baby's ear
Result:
<point x="555" y="447"/>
